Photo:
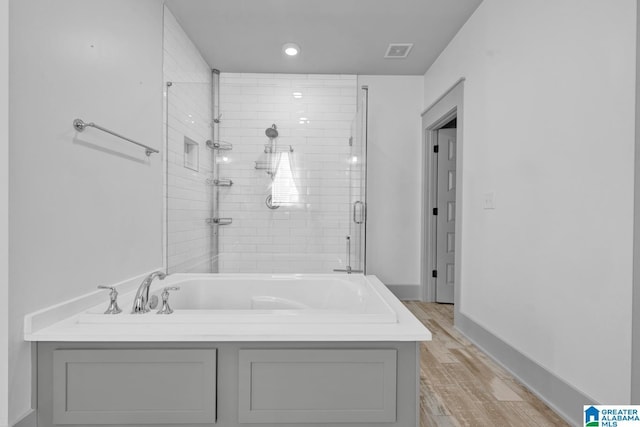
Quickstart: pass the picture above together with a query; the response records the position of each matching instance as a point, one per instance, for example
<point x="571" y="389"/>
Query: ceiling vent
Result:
<point x="398" y="50"/>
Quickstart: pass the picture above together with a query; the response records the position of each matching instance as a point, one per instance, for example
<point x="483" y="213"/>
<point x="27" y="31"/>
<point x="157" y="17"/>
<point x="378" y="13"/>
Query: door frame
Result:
<point x="439" y="113"/>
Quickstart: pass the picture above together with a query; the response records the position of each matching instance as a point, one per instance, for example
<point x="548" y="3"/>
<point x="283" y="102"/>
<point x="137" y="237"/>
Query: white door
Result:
<point x="445" y="215"/>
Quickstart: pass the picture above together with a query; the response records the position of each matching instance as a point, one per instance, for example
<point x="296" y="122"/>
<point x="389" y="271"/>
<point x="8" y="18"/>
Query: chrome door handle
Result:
<point x="359" y="219"/>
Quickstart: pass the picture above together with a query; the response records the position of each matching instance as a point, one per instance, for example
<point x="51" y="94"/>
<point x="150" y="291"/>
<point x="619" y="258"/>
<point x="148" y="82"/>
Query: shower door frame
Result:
<point x="360" y="249"/>
<point x="363" y="114"/>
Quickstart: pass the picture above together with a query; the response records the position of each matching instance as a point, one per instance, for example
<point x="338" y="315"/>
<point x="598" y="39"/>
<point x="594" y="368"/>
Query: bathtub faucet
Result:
<point x="141" y="301"/>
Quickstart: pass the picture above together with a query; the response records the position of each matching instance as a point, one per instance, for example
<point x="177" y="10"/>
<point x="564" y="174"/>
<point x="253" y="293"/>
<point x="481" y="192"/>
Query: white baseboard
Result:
<point x="30" y="419"/>
<point x="563" y="398"/>
<point x="405" y="292"/>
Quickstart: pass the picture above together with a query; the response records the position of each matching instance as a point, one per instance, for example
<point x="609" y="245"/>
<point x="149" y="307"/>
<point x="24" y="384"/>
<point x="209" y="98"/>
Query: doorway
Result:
<point x="442" y="125"/>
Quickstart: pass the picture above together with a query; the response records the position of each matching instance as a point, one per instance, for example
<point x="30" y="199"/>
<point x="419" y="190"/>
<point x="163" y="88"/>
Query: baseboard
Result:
<point x="30" y="419"/>
<point x="405" y="292"/>
<point x="563" y="398"/>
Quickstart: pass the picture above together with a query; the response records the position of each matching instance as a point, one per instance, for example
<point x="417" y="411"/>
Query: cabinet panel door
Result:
<point x="134" y="386"/>
<point x="321" y="386"/>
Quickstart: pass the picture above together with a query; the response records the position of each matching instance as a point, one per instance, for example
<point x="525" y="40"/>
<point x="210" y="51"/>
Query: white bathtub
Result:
<point x="252" y="298"/>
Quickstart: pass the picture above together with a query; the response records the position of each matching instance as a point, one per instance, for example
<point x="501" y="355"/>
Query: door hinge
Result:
<point x="434" y="273"/>
<point x="436" y="148"/>
<point x="435" y="211"/>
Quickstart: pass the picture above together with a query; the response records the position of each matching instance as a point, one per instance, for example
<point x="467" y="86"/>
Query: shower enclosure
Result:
<point x="266" y="173"/>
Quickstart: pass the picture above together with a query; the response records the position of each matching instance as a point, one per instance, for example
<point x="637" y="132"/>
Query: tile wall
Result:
<point x="187" y="114"/>
<point x="315" y="115"/>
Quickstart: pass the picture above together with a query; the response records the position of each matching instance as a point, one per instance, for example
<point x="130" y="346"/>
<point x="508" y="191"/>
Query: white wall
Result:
<point x="393" y="178"/>
<point x="85" y="208"/>
<point x="4" y="209"/>
<point x="549" y="126"/>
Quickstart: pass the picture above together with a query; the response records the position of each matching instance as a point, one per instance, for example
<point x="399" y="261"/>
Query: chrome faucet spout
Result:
<point x="141" y="301"/>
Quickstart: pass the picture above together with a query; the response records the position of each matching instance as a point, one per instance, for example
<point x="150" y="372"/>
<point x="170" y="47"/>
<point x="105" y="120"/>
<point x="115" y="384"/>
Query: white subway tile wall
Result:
<point x="314" y="114"/>
<point x="187" y="114"/>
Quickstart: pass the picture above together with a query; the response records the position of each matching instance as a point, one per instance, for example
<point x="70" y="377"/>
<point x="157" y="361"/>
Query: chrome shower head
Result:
<point x="271" y="132"/>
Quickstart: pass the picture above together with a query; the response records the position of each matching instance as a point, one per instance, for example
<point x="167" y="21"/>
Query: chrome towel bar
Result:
<point x="79" y="125"/>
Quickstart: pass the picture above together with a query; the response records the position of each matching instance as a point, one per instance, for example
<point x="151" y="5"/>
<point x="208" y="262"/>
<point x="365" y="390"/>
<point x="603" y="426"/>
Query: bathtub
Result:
<point x="235" y="341"/>
<point x="260" y="298"/>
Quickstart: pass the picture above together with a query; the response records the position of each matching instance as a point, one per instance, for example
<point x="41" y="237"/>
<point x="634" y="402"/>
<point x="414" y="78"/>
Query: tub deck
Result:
<point x="284" y="308"/>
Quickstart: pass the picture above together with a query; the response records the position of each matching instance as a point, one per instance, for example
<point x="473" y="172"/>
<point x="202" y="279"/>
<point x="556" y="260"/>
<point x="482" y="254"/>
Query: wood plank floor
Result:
<point x="461" y="386"/>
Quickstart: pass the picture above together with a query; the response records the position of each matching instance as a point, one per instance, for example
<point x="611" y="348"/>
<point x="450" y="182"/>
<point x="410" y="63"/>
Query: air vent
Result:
<point x="398" y="50"/>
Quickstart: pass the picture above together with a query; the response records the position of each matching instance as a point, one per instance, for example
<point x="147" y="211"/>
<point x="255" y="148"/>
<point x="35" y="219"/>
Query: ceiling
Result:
<point x="335" y="36"/>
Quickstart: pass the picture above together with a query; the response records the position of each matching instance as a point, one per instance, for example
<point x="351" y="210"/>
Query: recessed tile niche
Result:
<point x="191" y="150"/>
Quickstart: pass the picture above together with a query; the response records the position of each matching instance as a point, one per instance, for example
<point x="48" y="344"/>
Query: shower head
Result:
<point x="271" y="132"/>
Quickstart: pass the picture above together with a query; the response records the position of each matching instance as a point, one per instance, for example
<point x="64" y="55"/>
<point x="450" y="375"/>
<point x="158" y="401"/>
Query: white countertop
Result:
<point x="58" y="324"/>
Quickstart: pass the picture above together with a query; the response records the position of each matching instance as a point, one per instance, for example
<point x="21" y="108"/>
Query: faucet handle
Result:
<point x="113" y="296"/>
<point x="165" y="300"/>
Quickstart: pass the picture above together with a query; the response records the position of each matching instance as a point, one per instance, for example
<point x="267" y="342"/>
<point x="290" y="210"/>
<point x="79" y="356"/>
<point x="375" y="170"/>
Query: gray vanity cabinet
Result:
<point x="228" y="384"/>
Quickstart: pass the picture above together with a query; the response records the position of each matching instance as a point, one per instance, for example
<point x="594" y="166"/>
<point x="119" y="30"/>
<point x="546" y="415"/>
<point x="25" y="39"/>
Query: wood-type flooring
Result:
<point x="461" y="386"/>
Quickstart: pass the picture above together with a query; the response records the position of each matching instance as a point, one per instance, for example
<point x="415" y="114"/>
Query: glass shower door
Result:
<point x="190" y="237"/>
<point x="355" y="244"/>
<point x="358" y="214"/>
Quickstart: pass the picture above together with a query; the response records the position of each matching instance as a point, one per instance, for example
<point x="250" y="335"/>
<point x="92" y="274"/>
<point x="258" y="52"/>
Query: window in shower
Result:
<point x="284" y="188"/>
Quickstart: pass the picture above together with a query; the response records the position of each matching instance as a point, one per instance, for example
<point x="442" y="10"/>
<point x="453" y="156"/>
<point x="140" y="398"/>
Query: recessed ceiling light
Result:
<point x="291" y="49"/>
